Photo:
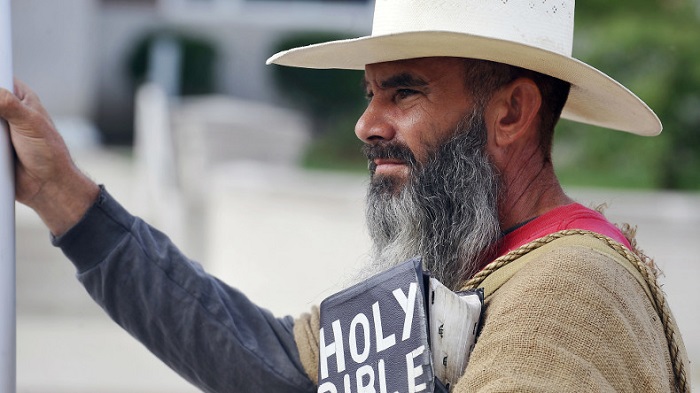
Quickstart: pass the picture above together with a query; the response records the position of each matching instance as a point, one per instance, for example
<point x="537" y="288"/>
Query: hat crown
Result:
<point x="545" y="24"/>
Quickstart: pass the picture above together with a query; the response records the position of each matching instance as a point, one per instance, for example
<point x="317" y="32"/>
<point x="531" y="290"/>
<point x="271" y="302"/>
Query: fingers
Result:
<point x="19" y="87"/>
<point x="23" y="110"/>
<point x="10" y="106"/>
<point x="28" y="97"/>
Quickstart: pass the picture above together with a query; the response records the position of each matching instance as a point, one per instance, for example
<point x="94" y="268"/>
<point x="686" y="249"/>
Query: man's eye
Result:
<point x="369" y="95"/>
<point x="404" y="93"/>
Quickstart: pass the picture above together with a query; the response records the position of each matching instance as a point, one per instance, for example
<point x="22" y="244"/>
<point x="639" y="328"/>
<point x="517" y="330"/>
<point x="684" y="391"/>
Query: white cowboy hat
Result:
<point x="532" y="34"/>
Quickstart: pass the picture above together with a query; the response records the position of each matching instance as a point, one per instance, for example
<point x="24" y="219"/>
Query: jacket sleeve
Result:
<point x="571" y="320"/>
<point x="208" y="332"/>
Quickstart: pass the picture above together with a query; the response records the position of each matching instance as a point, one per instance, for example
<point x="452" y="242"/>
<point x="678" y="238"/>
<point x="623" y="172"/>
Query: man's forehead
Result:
<point x="411" y="72"/>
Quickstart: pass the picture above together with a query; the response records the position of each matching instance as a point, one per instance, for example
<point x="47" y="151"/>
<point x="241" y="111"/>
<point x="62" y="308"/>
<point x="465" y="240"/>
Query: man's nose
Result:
<point x="374" y="126"/>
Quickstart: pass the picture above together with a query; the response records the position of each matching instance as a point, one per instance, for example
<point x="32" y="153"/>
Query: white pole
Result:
<point x="7" y="220"/>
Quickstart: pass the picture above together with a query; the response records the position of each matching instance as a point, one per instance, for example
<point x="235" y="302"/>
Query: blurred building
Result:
<point x="75" y="53"/>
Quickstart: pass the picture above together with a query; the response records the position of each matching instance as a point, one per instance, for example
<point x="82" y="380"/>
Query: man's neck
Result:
<point x="530" y="191"/>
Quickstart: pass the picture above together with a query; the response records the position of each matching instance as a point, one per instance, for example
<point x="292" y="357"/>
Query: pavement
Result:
<point x="287" y="238"/>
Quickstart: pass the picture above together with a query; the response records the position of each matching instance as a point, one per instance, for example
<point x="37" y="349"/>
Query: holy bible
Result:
<point x="400" y="331"/>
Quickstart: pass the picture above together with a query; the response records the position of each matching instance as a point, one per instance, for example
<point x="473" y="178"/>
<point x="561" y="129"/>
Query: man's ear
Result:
<point x="512" y="111"/>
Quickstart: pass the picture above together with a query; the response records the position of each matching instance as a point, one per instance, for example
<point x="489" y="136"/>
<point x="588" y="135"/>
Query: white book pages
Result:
<point x="454" y="321"/>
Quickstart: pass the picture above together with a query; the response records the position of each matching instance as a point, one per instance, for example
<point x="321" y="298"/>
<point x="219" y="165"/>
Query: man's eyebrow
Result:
<point x="399" y="80"/>
<point x="403" y="80"/>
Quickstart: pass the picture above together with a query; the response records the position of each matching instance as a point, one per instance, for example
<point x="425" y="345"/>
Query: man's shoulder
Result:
<point x="576" y="255"/>
<point x="571" y="305"/>
<point x="580" y="258"/>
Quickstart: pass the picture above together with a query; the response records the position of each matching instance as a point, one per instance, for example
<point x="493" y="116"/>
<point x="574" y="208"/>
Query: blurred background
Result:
<point x="255" y="171"/>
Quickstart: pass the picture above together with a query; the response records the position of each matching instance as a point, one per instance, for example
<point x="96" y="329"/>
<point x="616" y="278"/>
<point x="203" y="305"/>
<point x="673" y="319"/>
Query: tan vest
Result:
<point x="572" y="312"/>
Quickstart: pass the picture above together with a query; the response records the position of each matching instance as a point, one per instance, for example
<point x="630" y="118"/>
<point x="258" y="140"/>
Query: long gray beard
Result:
<point x="446" y="213"/>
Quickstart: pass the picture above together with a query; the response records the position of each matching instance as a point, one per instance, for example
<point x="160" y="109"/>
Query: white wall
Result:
<point x="73" y="52"/>
<point x="54" y="43"/>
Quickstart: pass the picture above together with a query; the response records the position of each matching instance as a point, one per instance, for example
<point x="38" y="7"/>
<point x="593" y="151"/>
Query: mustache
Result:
<point x="388" y="150"/>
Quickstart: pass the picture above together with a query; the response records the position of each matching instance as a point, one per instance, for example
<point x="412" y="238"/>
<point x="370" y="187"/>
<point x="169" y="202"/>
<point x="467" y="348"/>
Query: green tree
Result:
<point x="651" y="47"/>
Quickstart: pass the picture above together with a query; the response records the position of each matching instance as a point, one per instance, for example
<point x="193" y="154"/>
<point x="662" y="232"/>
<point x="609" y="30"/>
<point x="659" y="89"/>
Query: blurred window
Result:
<point x="139" y="2"/>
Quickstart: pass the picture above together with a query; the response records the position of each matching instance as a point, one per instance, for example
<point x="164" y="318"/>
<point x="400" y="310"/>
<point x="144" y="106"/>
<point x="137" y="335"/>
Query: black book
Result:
<point x="397" y="332"/>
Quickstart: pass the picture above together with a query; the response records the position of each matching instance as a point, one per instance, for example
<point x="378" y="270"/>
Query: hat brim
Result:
<point x="595" y="98"/>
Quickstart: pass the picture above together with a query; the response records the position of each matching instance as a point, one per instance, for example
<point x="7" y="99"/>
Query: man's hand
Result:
<point x="46" y="179"/>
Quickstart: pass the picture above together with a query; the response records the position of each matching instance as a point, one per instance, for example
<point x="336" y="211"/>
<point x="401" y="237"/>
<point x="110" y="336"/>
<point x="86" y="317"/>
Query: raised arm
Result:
<point x="208" y="332"/>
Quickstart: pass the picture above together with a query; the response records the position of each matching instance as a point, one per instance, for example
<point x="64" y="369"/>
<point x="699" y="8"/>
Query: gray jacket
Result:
<point x="208" y="332"/>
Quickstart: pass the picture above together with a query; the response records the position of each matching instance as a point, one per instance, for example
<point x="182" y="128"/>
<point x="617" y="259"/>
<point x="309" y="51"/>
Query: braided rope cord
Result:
<point x="659" y="298"/>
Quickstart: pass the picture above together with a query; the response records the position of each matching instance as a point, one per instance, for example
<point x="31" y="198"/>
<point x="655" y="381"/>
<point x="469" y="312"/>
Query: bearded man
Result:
<point x="463" y="100"/>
